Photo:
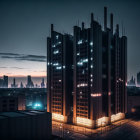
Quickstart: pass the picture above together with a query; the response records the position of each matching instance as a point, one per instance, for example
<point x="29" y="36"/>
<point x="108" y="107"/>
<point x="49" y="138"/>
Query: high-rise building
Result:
<point x="5" y="81"/>
<point x="87" y="69"/>
<point x="99" y="74"/>
<point x="14" y="85"/>
<point x="30" y="83"/>
<point x="59" y="75"/>
<point x="138" y="78"/>
<point x="131" y="82"/>
<point x="21" y="85"/>
<point x="1" y="83"/>
<point x="42" y="83"/>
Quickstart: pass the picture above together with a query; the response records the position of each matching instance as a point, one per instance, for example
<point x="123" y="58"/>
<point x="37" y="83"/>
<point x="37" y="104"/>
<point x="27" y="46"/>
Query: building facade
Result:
<point x="59" y="75"/>
<point x="12" y="103"/>
<point x="138" y="78"/>
<point x="99" y="61"/>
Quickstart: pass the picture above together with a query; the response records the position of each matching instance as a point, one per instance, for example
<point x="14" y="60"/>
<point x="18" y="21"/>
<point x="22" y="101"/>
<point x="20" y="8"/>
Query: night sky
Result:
<point x="25" y="25"/>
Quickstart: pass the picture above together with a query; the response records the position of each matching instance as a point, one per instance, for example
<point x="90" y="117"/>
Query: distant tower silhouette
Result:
<point x="21" y="85"/>
<point x="42" y="83"/>
<point x="14" y="83"/>
<point x="5" y="81"/>
<point x="30" y="83"/>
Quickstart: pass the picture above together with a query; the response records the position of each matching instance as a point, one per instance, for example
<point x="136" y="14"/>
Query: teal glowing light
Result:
<point x="37" y="106"/>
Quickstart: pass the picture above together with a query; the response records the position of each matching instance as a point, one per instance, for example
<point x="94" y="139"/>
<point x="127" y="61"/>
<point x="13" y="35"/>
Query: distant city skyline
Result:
<point x="36" y="80"/>
<point x="25" y="26"/>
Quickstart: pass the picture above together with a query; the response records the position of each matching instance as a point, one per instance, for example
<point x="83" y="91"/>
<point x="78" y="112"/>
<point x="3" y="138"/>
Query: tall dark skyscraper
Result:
<point x="138" y="78"/>
<point x="87" y="69"/>
<point x="59" y="75"/>
<point x="42" y="83"/>
<point x="30" y="83"/>
<point x="5" y="81"/>
<point x="14" y="85"/>
<point x="99" y="74"/>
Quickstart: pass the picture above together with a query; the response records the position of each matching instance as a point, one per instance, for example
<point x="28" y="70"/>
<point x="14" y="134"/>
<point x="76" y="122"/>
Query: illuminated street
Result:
<point x="126" y="129"/>
<point x="129" y="131"/>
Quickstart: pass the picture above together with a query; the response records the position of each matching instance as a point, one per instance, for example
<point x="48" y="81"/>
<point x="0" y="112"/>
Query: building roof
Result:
<point x="4" y="115"/>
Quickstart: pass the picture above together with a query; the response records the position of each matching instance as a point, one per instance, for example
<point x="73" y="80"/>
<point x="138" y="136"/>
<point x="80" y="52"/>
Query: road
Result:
<point x="128" y="129"/>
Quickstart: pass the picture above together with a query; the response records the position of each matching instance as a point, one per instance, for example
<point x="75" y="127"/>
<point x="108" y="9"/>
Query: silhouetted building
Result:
<point x="1" y="83"/>
<point x="25" y="125"/>
<point x="5" y="81"/>
<point x="30" y="83"/>
<point x="59" y="75"/>
<point x="138" y="78"/>
<point x="99" y="74"/>
<point x="14" y="85"/>
<point x="42" y="83"/>
<point x="21" y="85"/>
<point x="131" y="82"/>
<point x="12" y="103"/>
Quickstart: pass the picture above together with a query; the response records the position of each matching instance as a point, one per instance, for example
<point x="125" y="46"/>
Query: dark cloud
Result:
<point x="23" y="57"/>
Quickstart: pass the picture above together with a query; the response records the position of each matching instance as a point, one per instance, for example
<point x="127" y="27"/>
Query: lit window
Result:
<point x="91" y="43"/>
<point x="96" y="95"/>
<point x="63" y="67"/>
<point x="59" y="80"/>
<point x="57" y="37"/>
<point x="91" y="58"/>
<point x="55" y="64"/>
<point x="56" y="51"/>
<point x="48" y="63"/>
<point x="91" y="66"/>
<point x="85" y="60"/>
<point x="53" y="46"/>
<point x="78" y="53"/>
<point x="58" y="68"/>
<point x="82" y="85"/>
<point x="91" y="50"/>
<point x="91" y="75"/>
<point x="84" y="121"/>
<point x="80" y="63"/>
<point x="80" y="42"/>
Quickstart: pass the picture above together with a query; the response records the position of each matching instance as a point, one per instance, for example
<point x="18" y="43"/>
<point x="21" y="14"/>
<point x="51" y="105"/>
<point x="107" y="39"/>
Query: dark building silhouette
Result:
<point x="42" y="83"/>
<point x="1" y="83"/>
<point x="138" y="78"/>
<point x="131" y="82"/>
<point x="14" y="85"/>
<point x="5" y="81"/>
<point x="59" y="75"/>
<point x="12" y="103"/>
<point x="21" y="85"/>
<point x="99" y="74"/>
<point x="25" y="125"/>
<point x="30" y="83"/>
